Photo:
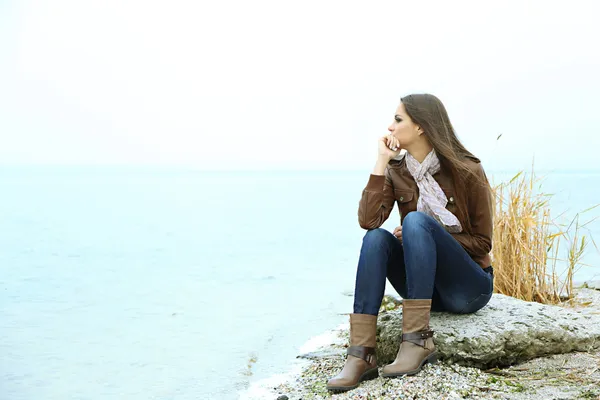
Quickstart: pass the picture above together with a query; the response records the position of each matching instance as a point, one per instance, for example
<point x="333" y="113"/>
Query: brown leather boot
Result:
<point x="416" y="347"/>
<point x="361" y="364"/>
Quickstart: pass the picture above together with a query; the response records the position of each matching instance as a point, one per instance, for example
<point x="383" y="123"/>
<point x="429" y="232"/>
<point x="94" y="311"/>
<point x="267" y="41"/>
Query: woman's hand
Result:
<point x="398" y="232"/>
<point x="389" y="147"/>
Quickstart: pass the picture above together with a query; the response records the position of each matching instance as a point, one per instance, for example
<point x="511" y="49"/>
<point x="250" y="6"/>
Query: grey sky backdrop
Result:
<point x="303" y="84"/>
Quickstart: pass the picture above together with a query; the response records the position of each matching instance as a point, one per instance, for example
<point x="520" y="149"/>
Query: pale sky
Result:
<point x="304" y="84"/>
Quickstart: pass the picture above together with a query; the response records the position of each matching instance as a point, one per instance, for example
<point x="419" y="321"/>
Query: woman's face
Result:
<point x="404" y="129"/>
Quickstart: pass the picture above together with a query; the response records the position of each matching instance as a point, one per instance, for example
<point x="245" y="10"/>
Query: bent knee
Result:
<point x="376" y="237"/>
<point x="416" y="219"/>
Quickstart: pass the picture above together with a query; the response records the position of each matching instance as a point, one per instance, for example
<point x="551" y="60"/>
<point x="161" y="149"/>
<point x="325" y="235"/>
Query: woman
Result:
<point x="438" y="258"/>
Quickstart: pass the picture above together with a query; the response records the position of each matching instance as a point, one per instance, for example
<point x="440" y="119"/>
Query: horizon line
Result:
<point x="255" y="168"/>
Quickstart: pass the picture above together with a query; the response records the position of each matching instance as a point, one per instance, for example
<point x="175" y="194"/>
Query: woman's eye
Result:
<point x="398" y="119"/>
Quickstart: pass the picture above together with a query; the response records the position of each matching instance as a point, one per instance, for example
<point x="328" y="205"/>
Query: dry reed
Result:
<point x="527" y="243"/>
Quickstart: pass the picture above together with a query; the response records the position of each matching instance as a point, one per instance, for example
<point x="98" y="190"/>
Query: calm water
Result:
<point x="163" y="284"/>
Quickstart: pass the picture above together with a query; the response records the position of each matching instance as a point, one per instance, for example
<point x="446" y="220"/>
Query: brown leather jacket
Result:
<point x="397" y="185"/>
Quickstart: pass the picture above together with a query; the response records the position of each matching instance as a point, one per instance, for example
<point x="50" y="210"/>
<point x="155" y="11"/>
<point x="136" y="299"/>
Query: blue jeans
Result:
<point x="428" y="264"/>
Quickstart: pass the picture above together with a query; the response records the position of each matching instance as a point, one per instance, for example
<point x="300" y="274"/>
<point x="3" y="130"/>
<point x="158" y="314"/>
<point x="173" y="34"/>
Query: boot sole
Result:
<point x="431" y="359"/>
<point x="368" y="375"/>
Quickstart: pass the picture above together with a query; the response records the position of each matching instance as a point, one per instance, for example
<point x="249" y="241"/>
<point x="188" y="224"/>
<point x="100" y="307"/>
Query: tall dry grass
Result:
<point x="528" y="242"/>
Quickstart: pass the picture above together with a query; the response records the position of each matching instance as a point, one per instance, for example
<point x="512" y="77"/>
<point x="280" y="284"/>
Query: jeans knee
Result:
<point x="376" y="238"/>
<point x="416" y="220"/>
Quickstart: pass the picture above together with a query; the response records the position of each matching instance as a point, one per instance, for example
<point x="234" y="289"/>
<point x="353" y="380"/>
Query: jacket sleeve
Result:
<point x="480" y="205"/>
<point x="376" y="202"/>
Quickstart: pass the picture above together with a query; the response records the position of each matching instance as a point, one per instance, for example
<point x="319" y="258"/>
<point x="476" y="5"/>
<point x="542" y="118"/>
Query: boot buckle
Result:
<point x="418" y="338"/>
<point x="366" y="353"/>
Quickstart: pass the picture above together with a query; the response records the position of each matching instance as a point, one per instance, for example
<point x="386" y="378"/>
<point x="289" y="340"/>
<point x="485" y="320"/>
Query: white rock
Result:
<point x="505" y="332"/>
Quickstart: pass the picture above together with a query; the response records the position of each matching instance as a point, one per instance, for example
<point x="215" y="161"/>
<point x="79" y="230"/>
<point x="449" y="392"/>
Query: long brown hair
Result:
<point x="429" y="113"/>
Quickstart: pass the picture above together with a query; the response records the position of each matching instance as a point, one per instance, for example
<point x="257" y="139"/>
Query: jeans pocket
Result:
<point x="477" y="303"/>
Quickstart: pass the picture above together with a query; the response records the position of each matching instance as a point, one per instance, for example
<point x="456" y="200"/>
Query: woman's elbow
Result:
<point x="368" y="225"/>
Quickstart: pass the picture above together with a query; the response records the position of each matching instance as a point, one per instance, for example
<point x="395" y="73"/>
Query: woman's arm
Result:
<point x="376" y="202"/>
<point x="378" y="198"/>
<point x="479" y="242"/>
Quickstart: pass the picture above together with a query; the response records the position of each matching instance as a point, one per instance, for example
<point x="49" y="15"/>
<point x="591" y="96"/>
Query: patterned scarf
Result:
<point x="432" y="200"/>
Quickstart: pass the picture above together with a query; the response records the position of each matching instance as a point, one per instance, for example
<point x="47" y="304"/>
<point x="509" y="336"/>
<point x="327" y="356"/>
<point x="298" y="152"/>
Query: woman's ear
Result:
<point x="419" y="130"/>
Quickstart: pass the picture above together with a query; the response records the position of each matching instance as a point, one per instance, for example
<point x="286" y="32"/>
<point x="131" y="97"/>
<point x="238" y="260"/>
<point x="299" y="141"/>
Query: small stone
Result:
<point x="282" y="397"/>
<point x="593" y="285"/>
<point x="329" y="353"/>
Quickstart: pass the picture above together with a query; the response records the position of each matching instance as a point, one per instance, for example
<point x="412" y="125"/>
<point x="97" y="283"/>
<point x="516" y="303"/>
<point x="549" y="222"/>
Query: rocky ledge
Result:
<point x="562" y="345"/>
<point x="505" y="332"/>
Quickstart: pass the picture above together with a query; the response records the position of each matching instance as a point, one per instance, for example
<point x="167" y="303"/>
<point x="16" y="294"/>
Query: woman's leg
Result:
<point x="437" y="268"/>
<point x="397" y="277"/>
<point x="435" y="261"/>
<point x="370" y="285"/>
<point x="377" y="250"/>
<point x="380" y="251"/>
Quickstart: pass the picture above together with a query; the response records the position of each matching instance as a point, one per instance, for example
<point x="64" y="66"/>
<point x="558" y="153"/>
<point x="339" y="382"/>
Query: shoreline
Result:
<point x="264" y="388"/>
<point x="565" y="376"/>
